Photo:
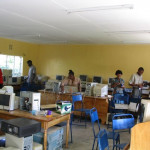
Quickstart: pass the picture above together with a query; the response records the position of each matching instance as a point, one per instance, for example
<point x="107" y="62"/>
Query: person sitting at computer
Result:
<point x="71" y="80"/>
<point x="118" y="83"/>
<point x="136" y="81"/>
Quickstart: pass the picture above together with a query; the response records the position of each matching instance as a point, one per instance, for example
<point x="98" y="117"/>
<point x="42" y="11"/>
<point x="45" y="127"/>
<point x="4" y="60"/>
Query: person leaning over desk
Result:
<point x="118" y="83"/>
<point x="71" y="80"/>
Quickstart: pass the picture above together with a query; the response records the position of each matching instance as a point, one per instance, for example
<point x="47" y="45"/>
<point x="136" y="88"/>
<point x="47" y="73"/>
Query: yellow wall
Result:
<point x="27" y="50"/>
<point x="101" y="60"/>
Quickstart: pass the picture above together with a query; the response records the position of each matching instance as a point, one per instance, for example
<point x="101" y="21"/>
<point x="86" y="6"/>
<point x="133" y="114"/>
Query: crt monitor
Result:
<point x="97" y="79"/>
<point x="145" y="85"/>
<point x="4" y="99"/>
<point x="83" y="78"/>
<point x="59" y="77"/>
<point x="4" y="78"/>
<point x="110" y="80"/>
<point x="14" y="79"/>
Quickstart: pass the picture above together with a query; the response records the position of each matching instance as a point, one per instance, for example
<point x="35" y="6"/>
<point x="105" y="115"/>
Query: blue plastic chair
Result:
<point x="94" y="120"/>
<point x="121" y="99"/>
<point x="117" y="99"/>
<point x="121" y="122"/>
<point x="103" y="140"/>
<point x="77" y="97"/>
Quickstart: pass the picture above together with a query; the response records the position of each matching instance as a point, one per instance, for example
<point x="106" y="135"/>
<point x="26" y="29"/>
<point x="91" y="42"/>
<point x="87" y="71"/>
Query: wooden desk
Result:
<point x="100" y="103"/>
<point x="140" y="136"/>
<point x="45" y="122"/>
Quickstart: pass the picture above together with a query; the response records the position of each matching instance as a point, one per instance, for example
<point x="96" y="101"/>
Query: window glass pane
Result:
<point x="3" y="61"/>
<point x="12" y="62"/>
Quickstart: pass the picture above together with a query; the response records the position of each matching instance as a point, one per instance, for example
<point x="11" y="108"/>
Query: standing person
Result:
<point x="71" y="80"/>
<point x="118" y="83"/>
<point x="136" y="81"/>
<point x="1" y="79"/>
<point x="32" y="72"/>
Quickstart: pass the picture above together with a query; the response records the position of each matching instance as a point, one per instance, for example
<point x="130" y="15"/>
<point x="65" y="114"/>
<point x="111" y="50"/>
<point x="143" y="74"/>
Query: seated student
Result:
<point x="71" y="80"/>
<point x="118" y="83"/>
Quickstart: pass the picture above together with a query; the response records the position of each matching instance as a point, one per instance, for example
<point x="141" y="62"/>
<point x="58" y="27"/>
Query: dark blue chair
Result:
<point x="121" y="122"/>
<point x="77" y="97"/>
<point x="117" y="99"/>
<point x="94" y="120"/>
<point x="103" y="140"/>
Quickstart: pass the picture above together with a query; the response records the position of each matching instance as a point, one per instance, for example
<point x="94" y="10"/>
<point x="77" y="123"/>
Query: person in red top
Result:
<point x="1" y="79"/>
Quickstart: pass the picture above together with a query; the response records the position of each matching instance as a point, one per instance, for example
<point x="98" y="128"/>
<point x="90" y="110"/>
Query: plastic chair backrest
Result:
<point x="94" y="119"/>
<point x="77" y="98"/>
<point x="123" y="121"/>
<point x="103" y="140"/>
<point x="121" y="99"/>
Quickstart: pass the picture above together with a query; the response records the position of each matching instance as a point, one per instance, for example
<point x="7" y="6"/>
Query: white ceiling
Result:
<point x="47" y="22"/>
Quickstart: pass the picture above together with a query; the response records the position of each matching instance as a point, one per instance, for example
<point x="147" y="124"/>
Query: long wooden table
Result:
<point x="45" y="122"/>
<point x="100" y="103"/>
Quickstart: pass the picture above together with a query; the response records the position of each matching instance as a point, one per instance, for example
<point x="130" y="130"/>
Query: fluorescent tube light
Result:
<point x="130" y="32"/>
<point x="113" y="7"/>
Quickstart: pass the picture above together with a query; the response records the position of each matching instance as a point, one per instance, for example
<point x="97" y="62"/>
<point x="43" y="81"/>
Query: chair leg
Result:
<point x="71" y="133"/>
<point x="85" y="119"/>
<point x="93" y="144"/>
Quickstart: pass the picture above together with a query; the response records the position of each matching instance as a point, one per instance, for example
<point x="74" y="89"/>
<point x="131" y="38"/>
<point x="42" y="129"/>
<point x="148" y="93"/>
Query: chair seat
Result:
<point x="87" y="111"/>
<point x="121" y="146"/>
<point x="110" y="135"/>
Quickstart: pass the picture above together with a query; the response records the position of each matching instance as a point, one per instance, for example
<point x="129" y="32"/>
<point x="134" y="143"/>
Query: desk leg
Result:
<point x="67" y="132"/>
<point x="45" y="137"/>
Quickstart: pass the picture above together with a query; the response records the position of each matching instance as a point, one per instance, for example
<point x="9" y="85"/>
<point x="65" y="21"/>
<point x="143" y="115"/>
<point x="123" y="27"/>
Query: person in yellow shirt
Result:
<point x="71" y="80"/>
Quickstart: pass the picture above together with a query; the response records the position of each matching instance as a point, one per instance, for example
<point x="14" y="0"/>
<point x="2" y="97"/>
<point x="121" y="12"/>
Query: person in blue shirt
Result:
<point x="118" y="83"/>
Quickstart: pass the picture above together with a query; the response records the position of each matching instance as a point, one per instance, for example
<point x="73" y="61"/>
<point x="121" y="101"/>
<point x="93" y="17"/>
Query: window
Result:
<point x="12" y="62"/>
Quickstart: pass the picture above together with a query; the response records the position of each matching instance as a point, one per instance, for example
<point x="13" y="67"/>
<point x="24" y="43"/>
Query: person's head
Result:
<point x="118" y="73"/>
<point x="71" y="75"/>
<point x="29" y="62"/>
<point x="140" y="71"/>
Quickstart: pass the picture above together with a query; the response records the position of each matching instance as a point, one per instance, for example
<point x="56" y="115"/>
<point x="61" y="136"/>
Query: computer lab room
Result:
<point x="74" y="75"/>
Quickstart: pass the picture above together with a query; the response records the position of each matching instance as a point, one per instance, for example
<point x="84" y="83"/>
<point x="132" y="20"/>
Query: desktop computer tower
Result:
<point x="24" y="143"/>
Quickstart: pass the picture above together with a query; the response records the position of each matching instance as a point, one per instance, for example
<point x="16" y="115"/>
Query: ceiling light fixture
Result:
<point x="112" y="7"/>
<point x="129" y="32"/>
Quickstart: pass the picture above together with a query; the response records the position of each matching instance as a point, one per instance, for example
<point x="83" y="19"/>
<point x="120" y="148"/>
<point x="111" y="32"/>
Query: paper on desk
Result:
<point x="121" y="106"/>
<point x="133" y="107"/>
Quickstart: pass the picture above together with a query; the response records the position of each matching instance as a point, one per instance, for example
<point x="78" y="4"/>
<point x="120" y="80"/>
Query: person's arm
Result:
<point x="63" y="83"/>
<point x="132" y="81"/>
<point x="114" y="84"/>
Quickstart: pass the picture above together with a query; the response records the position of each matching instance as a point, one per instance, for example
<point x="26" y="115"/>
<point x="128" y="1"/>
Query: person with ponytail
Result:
<point x="71" y="80"/>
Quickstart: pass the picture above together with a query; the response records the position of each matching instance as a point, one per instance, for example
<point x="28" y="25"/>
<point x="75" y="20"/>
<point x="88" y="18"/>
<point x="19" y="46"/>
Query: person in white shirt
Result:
<point x="32" y="72"/>
<point x="136" y="79"/>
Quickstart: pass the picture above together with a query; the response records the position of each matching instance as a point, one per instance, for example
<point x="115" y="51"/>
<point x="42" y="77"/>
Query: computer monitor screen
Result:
<point x="4" y="99"/>
<point x="4" y="78"/>
<point x="97" y="79"/>
<point x="59" y="77"/>
<point x="83" y="77"/>
<point x="110" y="80"/>
<point x="145" y="84"/>
<point x="14" y="79"/>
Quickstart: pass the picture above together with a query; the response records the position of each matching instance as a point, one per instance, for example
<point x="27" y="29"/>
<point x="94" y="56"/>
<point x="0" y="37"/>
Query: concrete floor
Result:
<point x="83" y="137"/>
